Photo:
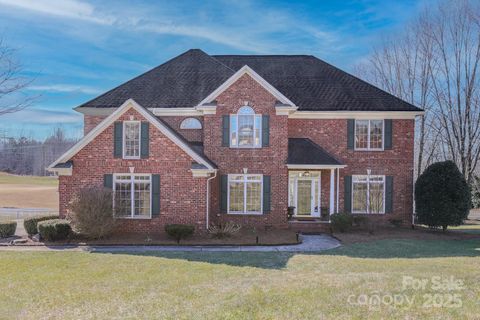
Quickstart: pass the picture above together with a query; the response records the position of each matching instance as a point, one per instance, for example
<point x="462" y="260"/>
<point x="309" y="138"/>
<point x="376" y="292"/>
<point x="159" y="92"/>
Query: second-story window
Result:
<point x="369" y="134"/>
<point x="131" y="139"/>
<point x="245" y="129"/>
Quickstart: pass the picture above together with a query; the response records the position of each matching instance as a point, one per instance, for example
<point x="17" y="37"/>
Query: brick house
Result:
<point x="203" y="139"/>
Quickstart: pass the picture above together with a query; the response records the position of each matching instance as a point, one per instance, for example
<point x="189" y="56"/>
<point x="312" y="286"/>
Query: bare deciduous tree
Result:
<point x="12" y="83"/>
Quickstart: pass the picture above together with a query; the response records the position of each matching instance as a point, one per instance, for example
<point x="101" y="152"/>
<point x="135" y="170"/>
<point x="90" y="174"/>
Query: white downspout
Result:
<point x="208" y="198"/>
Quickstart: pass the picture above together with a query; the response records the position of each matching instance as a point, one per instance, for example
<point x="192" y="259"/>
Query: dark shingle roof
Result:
<point x="305" y="151"/>
<point x="312" y="84"/>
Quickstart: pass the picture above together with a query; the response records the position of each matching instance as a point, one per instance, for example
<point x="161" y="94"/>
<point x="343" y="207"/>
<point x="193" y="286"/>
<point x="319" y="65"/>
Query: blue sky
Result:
<point x="78" y="49"/>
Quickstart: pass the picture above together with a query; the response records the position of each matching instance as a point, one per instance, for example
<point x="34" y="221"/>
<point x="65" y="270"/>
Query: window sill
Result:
<point x="370" y="214"/>
<point x="371" y="150"/>
<point x="134" y="218"/>
<point x="245" y="213"/>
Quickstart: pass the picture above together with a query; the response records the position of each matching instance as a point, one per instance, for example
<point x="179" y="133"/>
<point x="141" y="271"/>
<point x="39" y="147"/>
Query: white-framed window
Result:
<point x="245" y="129"/>
<point x="132" y="195"/>
<point x="368" y="194"/>
<point x="131" y="139"/>
<point x="369" y="134"/>
<point x="191" y="123"/>
<point x="245" y="193"/>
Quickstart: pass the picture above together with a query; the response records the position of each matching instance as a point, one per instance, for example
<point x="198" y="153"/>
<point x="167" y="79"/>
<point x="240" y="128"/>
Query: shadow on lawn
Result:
<point x="382" y="249"/>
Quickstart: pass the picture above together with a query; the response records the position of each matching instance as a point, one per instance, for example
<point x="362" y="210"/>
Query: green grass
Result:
<point x="236" y="285"/>
<point x="32" y="180"/>
<point x="467" y="228"/>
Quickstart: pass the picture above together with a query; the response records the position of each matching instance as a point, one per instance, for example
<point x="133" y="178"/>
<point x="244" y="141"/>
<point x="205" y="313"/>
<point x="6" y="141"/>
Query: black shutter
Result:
<point x="388" y="194"/>
<point x="351" y="134"/>
<point x="266" y="194"/>
<point x="155" y="195"/>
<point x="265" y="130"/>
<point x="117" y="139"/>
<point x="226" y="131"/>
<point x="145" y="140"/>
<point x="223" y="192"/>
<point x="108" y="181"/>
<point x="347" y="195"/>
<point x="388" y="134"/>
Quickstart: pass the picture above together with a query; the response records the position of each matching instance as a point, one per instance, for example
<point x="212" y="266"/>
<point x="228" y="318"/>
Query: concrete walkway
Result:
<point x="310" y="243"/>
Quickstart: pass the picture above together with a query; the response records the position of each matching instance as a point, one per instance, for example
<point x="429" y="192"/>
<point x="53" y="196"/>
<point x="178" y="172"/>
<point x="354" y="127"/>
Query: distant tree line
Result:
<point x="29" y="156"/>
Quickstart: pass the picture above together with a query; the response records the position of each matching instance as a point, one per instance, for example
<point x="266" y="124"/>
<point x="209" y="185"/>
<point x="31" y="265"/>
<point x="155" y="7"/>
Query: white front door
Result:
<point x="305" y="195"/>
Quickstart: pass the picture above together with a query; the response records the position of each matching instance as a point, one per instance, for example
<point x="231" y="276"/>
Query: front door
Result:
<point x="305" y="193"/>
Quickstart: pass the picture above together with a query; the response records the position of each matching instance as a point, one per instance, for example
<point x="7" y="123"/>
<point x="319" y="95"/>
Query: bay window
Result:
<point x="132" y="195"/>
<point x="245" y="194"/>
<point x="369" y="134"/>
<point x="245" y="129"/>
<point x="368" y="194"/>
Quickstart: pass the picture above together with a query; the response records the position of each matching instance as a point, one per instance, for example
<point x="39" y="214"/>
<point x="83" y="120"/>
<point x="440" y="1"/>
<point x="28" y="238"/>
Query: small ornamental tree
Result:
<point x="442" y="196"/>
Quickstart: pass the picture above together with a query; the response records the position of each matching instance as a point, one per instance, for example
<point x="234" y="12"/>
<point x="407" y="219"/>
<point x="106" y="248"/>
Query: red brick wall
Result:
<point x="182" y="197"/>
<point x="90" y="122"/>
<point x="268" y="161"/>
<point x="398" y="162"/>
<point x="193" y="135"/>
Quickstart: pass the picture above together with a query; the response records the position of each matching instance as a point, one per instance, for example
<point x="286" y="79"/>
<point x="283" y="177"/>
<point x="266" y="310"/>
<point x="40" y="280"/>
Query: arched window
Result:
<point x="245" y="128"/>
<point x="190" y="123"/>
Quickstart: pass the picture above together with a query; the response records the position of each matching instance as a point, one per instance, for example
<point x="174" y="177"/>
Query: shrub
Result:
<point x="30" y="224"/>
<point x="442" y="196"/>
<point x="341" y="222"/>
<point x="396" y="222"/>
<point x="221" y="231"/>
<point x="360" y="221"/>
<point x="179" y="231"/>
<point x="92" y="212"/>
<point x="53" y="230"/>
<point x="7" y="229"/>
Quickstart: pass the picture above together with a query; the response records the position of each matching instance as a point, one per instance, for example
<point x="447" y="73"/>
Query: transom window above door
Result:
<point x="245" y="129"/>
<point x="131" y="139"/>
<point x="369" y="134"/>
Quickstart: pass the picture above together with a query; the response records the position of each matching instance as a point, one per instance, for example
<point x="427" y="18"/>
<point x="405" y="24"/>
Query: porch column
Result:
<point x="332" y="191"/>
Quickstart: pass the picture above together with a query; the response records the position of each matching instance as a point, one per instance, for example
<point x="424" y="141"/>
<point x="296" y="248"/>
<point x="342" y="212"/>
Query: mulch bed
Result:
<point x="387" y="232"/>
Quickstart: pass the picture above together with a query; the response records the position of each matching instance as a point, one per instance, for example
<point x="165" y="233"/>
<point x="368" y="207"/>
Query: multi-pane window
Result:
<point x="245" y="129"/>
<point x="131" y="139"/>
<point x="369" y="134"/>
<point x="132" y="195"/>
<point x="244" y="193"/>
<point x="190" y="123"/>
<point x="368" y="194"/>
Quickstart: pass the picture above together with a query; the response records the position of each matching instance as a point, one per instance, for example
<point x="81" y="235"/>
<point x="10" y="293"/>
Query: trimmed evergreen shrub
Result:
<point x="179" y="231"/>
<point x="53" y="230"/>
<point x="7" y="229"/>
<point x="341" y="222"/>
<point x="442" y="196"/>
<point x="30" y="224"/>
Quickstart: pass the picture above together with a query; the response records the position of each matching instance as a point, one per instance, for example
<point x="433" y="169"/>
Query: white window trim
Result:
<point x="255" y="115"/>
<point x="124" y="149"/>
<point x="368" y="193"/>
<point x="132" y="194"/>
<point x="184" y="126"/>
<point x="245" y="212"/>
<point x="368" y="136"/>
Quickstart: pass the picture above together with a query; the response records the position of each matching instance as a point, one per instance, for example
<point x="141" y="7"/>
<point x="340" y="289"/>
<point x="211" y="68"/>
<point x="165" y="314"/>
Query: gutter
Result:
<point x="208" y="199"/>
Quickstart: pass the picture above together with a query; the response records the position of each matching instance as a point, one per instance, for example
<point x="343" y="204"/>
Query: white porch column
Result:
<point x="332" y="191"/>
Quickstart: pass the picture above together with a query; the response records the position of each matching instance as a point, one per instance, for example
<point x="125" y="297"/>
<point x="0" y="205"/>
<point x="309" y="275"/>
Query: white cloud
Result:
<point x="65" y="8"/>
<point x="42" y="116"/>
<point x="66" y="88"/>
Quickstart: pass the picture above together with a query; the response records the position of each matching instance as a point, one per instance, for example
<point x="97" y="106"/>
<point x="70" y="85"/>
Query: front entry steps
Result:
<point x="309" y="225"/>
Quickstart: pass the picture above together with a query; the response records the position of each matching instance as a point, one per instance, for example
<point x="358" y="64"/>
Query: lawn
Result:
<point x="28" y="191"/>
<point x="170" y="285"/>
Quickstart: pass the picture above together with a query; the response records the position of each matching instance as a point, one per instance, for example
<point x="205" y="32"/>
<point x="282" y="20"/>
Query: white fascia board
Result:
<point x="166" y="112"/>
<point x="355" y="114"/>
<point x="285" y="110"/>
<point x="207" y="109"/>
<point x="202" y="173"/>
<point x="61" y="171"/>
<point x="246" y="70"/>
<point x="316" y="166"/>
<point x="130" y="103"/>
